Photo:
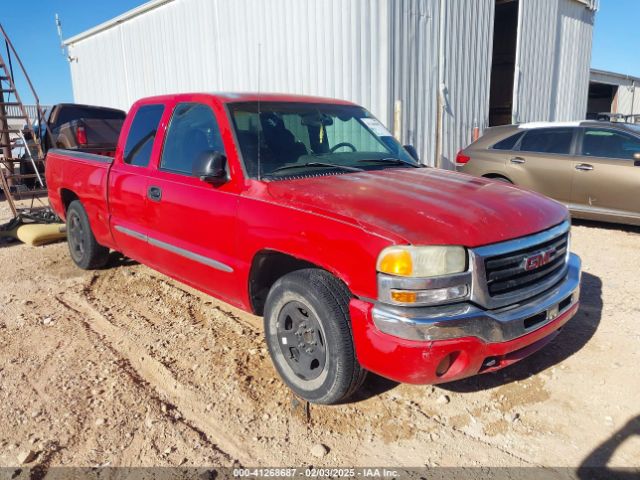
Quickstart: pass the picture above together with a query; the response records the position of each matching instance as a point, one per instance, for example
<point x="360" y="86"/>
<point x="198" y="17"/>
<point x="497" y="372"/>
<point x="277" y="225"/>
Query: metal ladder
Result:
<point x="14" y="171"/>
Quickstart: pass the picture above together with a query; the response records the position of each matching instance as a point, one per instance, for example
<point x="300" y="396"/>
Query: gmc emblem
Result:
<point x="539" y="259"/>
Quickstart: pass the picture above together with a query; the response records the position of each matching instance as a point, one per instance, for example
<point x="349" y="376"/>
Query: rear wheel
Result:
<point x="308" y="333"/>
<point x="85" y="251"/>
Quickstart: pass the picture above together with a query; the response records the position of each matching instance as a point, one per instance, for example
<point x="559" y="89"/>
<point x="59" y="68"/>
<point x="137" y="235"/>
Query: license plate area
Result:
<point x="549" y="314"/>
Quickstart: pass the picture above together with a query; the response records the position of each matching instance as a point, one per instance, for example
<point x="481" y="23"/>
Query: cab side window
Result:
<point x="137" y="150"/>
<point x="609" y="144"/>
<point x="548" y="140"/>
<point x="193" y="131"/>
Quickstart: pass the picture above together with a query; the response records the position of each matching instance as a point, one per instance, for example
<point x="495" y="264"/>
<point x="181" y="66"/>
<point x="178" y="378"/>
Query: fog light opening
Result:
<point x="445" y="364"/>
<point x="490" y="362"/>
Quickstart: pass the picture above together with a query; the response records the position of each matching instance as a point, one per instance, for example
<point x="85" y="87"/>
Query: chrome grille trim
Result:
<point x="479" y="256"/>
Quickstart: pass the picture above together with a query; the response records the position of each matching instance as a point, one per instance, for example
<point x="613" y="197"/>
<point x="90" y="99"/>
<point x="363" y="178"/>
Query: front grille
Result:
<point x="507" y="273"/>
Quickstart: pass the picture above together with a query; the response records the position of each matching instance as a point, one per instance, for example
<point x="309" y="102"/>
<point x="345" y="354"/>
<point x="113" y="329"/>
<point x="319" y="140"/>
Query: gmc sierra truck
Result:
<point x="308" y="212"/>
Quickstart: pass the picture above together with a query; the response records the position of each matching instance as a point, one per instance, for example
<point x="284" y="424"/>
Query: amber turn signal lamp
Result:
<point x="396" y="262"/>
<point x="403" y="296"/>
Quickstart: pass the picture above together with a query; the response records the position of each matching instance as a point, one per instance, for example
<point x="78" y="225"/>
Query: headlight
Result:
<point x="422" y="276"/>
<point x="422" y="262"/>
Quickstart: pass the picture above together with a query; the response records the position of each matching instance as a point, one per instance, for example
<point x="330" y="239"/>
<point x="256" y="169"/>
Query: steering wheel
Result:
<point x="343" y="144"/>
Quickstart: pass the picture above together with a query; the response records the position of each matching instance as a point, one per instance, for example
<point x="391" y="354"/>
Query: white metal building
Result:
<point x="435" y="71"/>
<point x="614" y="93"/>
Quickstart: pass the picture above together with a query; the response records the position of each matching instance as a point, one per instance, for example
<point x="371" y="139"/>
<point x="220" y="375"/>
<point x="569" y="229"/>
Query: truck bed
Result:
<point x="68" y="171"/>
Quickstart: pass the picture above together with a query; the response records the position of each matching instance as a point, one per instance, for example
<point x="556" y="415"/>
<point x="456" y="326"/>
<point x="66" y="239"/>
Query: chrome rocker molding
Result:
<point x="177" y="250"/>
<point x="468" y="320"/>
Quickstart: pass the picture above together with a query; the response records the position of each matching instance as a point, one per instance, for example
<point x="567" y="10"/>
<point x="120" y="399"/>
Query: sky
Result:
<point x="33" y="33"/>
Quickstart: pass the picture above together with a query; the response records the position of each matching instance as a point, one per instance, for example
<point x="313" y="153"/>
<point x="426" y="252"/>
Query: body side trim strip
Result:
<point x="177" y="250"/>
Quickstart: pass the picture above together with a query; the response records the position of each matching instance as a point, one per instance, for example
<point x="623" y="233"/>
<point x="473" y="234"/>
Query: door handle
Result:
<point x="518" y="160"/>
<point x="584" y="167"/>
<point x="154" y="193"/>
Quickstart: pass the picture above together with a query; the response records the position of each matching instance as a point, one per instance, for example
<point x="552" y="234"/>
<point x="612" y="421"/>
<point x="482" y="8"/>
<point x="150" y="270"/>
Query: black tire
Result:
<point x="326" y="340"/>
<point x="85" y="252"/>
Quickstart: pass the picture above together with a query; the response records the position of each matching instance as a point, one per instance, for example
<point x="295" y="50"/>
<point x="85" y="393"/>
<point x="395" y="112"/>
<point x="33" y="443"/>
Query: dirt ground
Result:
<point x="125" y="367"/>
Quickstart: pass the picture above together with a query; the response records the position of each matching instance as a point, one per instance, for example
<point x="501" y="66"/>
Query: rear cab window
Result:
<point x="142" y="133"/>
<point x="605" y="143"/>
<point x="555" y="141"/>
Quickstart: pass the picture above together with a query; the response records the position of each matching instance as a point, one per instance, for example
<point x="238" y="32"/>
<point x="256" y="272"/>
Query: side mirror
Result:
<point x="211" y="167"/>
<point x="636" y="157"/>
<point x="411" y="150"/>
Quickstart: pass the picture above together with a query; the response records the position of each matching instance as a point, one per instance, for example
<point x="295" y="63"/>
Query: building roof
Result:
<point x="613" y="78"/>
<point x="145" y="7"/>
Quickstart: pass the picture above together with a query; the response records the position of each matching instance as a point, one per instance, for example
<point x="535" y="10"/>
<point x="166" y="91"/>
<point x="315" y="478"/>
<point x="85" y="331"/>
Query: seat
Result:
<point x="280" y="140"/>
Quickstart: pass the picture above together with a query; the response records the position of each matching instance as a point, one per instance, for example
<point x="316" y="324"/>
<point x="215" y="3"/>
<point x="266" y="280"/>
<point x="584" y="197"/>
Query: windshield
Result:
<point x="301" y="138"/>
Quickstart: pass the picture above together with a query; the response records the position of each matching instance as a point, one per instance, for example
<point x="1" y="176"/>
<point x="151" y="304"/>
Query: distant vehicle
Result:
<point x="308" y="212"/>
<point x="85" y="128"/>
<point x="591" y="167"/>
<point x="607" y="117"/>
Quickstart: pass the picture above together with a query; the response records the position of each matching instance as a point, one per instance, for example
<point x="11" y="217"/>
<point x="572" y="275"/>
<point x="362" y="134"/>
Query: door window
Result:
<point x="137" y="150"/>
<point x="193" y="131"/>
<point x="609" y="144"/>
<point x="548" y="140"/>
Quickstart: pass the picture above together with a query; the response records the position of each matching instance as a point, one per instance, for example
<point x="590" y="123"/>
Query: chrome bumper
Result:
<point x="491" y="326"/>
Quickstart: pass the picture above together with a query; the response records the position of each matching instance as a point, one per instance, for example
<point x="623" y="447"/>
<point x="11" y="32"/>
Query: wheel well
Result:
<point x="267" y="267"/>
<point x="67" y="197"/>
<point x="497" y="175"/>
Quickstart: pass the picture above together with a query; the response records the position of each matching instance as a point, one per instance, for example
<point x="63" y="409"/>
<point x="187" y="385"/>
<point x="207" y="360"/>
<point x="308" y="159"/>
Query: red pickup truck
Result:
<point x="306" y="211"/>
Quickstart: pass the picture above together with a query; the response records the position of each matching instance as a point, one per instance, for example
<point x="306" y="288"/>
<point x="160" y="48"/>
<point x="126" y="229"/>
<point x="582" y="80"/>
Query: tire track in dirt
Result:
<point x="160" y="384"/>
<point x="100" y="294"/>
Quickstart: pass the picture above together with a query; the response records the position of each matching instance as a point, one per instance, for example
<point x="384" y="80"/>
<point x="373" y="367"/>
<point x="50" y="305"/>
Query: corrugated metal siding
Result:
<point x="323" y="47"/>
<point x="468" y="45"/>
<point x="414" y="72"/>
<point x="553" y="86"/>
<point x="372" y="52"/>
<point x="98" y="72"/>
<point x="535" y="67"/>
<point x="573" y="59"/>
<point x="628" y="100"/>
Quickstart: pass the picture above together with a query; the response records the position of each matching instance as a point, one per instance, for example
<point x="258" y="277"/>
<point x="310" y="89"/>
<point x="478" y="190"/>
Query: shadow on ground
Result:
<point x="117" y="260"/>
<point x="594" y="466"/>
<point x="574" y="335"/>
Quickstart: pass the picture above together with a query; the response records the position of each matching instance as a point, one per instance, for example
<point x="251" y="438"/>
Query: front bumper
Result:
<point x="408" y="344"/>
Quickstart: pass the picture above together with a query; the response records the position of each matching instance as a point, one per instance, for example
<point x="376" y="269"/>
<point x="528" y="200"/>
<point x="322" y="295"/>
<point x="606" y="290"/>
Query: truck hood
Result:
<point x="424" y="206"/>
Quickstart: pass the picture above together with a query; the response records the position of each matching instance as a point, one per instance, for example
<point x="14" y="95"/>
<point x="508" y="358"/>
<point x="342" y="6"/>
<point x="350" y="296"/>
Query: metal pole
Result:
<point x="5" y="138"/>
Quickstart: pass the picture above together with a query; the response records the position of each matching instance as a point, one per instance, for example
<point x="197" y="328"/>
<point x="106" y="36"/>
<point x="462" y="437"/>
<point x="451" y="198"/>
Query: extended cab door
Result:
<point x="192" y="223"/>
<point x="606" y="178"/>
<point x="128" y="180"/>
<point x="543" y="162"/>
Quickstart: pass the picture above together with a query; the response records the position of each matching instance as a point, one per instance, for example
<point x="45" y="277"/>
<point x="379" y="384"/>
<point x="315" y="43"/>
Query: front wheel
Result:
<point x="85" y="251"/>
<point x="308" y="333"/>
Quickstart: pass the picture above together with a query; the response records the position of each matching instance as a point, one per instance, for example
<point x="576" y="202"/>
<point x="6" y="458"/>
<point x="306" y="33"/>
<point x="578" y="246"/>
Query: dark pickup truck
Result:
<point x="85" y="128"/>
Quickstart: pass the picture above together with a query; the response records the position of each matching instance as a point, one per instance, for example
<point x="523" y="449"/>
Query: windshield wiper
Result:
<point x="392" y="161"/>
<point x="316" y="164"/>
